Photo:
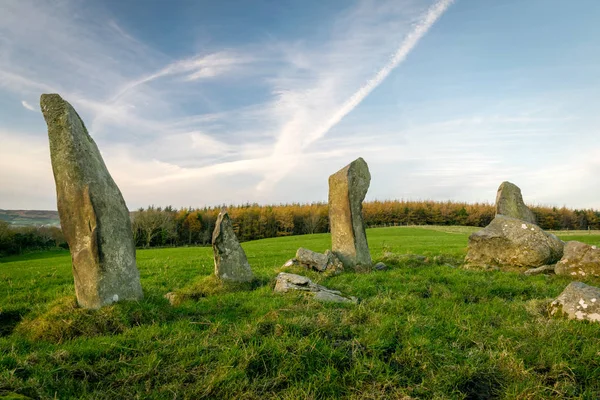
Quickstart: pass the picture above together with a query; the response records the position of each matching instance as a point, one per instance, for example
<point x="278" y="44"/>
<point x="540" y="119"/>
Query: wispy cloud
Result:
<point x="27" y="105"/>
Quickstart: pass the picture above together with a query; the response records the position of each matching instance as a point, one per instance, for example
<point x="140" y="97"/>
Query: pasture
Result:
<point x="423" y="329"/>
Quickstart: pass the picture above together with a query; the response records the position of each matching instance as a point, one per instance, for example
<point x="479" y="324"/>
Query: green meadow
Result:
<point x="423" y="329"/>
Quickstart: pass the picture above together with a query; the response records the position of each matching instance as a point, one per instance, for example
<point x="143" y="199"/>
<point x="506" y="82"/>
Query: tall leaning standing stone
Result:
<point x="347" y="190"/>
<point x="93" y="214"/>
<point x="231" y="263"/>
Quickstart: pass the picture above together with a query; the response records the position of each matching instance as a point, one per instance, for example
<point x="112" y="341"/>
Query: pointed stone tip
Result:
<point x="50" y="102"/>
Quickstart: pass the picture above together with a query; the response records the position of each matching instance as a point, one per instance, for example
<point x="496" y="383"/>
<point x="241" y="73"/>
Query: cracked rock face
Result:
<point x="327" y="262"/>
<point x="578" y="301"/>
<point x="509" y="202"/>
<point x="230" y="259"/>
<point x="509" y="243"/>
<point x="93" y="214"/>
<point x="291" y="282"/>
<point x="347" y="190"/>
<point x="578" y="260"/>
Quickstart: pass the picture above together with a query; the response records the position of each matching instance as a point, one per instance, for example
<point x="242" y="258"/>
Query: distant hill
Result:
<point x="30" y="217"/>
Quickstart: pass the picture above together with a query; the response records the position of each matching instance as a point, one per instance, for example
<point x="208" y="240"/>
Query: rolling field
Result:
<point x="423" y="329"/>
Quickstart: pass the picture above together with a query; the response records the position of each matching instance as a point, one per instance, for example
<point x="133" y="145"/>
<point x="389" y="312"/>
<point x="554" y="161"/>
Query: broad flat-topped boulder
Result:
<point x="510" y="243"/>
<point x="93" y="214"/>
<point x="579" y="259"/>
<point x="509" y="202"/>
<point x="578" y="301"/>
<point x="231" y="263"/>
<point x="347" y="190"/>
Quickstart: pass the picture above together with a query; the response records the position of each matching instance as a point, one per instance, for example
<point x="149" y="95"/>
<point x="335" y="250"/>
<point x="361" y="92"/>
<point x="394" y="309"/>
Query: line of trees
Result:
<point x="157" y="226"/>
<point x="16" y="240"/>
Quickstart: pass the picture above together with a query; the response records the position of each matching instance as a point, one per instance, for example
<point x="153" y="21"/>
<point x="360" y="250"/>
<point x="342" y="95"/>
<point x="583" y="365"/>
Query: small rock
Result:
<point x="544" y="269"/>
<point x="578" y="301"/>
<point x="172" y="297"/>
<point x="380" y="266"/>
<point x="312" y="259"/>
<point x="290" y="263"/>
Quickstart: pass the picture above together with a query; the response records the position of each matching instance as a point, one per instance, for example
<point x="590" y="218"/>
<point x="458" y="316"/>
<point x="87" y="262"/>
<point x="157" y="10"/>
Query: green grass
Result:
<point x="421" y="330"/>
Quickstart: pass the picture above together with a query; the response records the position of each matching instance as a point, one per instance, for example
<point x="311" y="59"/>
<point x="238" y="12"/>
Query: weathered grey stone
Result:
<point x="347" y="190"/>
<point x="544" y="269"/>
<point x="291" y="262"/>
<point x="579" y="259"/>
<point x="291" y="282"/>
<point x="93" y="214"/>
<point x="334" y="264"/>
<point x="509" y="202"/>
<point x="311" y="259"/>
<point x="380" y="266"/>
<point x="578" y="301"/>
<point x="328" y="262"/>
<point x="231" y="263"/>
<point x="509" y="244"/>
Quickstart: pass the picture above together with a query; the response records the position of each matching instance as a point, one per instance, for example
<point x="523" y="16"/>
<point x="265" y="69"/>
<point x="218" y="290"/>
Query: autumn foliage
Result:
<point x="156" y="226"/>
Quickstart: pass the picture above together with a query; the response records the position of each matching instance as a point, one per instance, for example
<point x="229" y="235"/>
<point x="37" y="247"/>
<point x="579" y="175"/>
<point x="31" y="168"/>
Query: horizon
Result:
<point x="193" y="102"/>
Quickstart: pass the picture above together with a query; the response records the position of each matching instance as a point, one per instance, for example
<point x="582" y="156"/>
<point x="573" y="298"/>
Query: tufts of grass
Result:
<point x="211" y="285"/>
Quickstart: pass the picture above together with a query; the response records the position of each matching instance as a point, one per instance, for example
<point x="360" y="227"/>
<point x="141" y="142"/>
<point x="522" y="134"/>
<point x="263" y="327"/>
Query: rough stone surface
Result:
<point x="334" y="264"/>
<point x="347" y="190"/>
<point x="93" y="214"/>
<point x="311" y="259"/>
<point x="544" y="269"/>
<point x="579" y="259"/>
<point x="231" y="263"/>
<point x="509" y="202"/>
<point x="509" y="243"/>
<point x="290" y="282"/>
<point x="578" y="301"/>
<point x="380" y="266"/>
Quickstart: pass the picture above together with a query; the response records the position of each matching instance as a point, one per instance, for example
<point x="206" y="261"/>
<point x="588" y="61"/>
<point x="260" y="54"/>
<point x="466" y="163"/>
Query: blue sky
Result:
<point x="197" y="103"/>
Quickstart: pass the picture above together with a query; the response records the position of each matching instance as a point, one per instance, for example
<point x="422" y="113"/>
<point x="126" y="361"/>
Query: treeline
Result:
<point x="16" y="240"/>
<point x="156" y="226"/>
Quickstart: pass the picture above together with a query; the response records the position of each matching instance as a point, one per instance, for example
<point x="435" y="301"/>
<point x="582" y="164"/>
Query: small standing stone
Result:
<point x="93" y="214"/>
<point x="230" y="259"/>
<point x="347" y="190"/>
<point x="509" y="202"/>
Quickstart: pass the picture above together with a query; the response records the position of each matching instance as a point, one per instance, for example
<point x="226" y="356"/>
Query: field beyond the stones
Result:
<point x="423" y="329"/>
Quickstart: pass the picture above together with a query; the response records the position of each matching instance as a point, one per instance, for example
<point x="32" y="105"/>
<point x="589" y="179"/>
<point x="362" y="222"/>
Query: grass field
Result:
<point x="427" y="330"/>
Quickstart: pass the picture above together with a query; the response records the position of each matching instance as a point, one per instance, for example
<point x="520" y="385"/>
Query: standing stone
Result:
<point x="231" y="263"/>
<point x="347" y="190"/>
<point x="93" y="214"/>
<point x="509" y="202"/>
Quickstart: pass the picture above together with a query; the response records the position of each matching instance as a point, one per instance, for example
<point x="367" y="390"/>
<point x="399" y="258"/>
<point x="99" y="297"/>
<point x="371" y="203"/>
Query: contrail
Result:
<point x="409" y="42"/>
<point x="430" y="17"/>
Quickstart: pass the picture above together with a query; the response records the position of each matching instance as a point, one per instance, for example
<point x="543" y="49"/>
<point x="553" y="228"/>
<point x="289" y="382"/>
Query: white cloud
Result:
<point x="27" y="105"/>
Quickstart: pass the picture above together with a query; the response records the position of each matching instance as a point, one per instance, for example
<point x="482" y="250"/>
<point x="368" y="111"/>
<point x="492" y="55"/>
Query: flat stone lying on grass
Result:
<point x="509" y="202"/>
<point x="347" y="190"/>
<point x="93" y="214"/>
<point x="510" y="243"/>
<point x="578" y="301"/>
<point x="579" y="259"/>
<point x="231" y="262"/>
<point x="290" y="282"/>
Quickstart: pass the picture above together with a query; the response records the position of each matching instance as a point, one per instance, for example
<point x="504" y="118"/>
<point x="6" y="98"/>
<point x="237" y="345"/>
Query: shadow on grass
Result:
<point x="9" y="320"/>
